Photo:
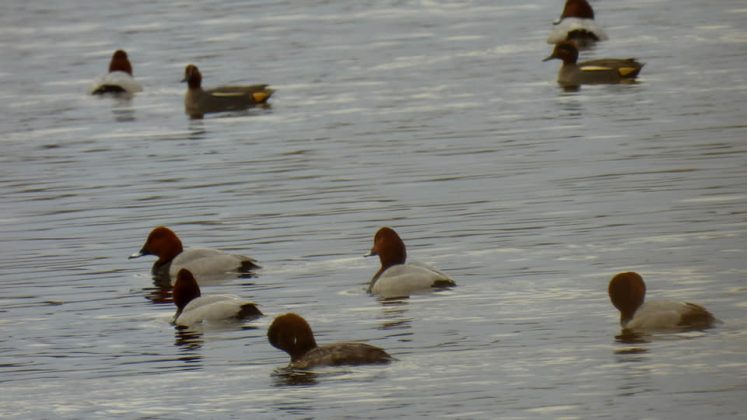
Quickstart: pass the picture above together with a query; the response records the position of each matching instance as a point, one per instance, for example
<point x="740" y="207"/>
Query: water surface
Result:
<point x="435" y="118"/>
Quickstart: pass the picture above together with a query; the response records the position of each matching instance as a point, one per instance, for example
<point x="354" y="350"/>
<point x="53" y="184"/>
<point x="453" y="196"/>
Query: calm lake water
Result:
<point x="437" y="118"/>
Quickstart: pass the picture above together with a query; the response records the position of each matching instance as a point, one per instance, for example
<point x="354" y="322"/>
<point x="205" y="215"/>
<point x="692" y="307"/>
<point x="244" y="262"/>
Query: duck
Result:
<point x="198" y="102"/>
<point x="576" y="24"/>
<point x="396" y="278"/>
<point x="601" y="71"/>
<point x="192" y="308"/>
<point x="627" y="292"/>
<point x="292" y="334"/>
<point x="202" y="262"/>
<point x="119" y="80"/>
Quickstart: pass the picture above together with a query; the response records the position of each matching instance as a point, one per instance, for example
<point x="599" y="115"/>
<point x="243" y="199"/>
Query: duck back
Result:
<point x="340" y="354"/>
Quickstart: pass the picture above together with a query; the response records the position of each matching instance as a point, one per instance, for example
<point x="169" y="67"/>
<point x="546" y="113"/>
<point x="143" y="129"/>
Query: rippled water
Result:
<point x="436" y="118"/>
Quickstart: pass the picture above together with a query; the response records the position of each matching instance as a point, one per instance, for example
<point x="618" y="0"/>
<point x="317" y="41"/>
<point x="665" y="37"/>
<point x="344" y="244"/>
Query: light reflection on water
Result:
<point x="435" y="118"/>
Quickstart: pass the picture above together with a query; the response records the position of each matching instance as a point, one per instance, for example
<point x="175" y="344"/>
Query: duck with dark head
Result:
<point x="601" y="71"/>
<point x="292" y="334"/>
<point x="198" y="101"/>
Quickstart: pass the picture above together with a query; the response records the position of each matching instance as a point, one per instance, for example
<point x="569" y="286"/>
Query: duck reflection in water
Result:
<point x="393" y="314"/>
<point x="632" y="337"/>
<point x="197" y="130"/>
<point x="287" y="376"/>
<point x="188" y="340"/>
<point x="190" y="343"/>
<point x="123" y="110"/>
<point x="160" y="294"/>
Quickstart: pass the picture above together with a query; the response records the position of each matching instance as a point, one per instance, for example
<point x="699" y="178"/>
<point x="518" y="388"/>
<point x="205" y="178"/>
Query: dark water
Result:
<point x="436" y="118"/>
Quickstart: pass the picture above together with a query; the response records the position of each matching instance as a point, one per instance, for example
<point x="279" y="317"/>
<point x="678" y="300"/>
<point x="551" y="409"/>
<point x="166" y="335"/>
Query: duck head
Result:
<point x="292" y="334"/>
<point x="120" y="62"/>
<point x="627" y="292"/>
<point x="578" y="9"/>
<point x="163" y="243"/>
<point x="192" y="76"/>
<point x="565" y="51"/>
<point x="389" y="247"/>
<point x="185" y="290"/>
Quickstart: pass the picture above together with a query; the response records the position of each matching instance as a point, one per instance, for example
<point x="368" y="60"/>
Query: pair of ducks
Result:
<point x="576" y="29"/>
<point x="197" y="101"/>
<point x="289" y="332"/>
<point x="396" y="278"/>
<point x="292" y="334"/>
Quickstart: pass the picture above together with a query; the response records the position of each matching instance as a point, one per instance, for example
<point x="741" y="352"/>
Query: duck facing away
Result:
<point x="292" y="334"/>
<point x="119" y="80"/>
<point x="198" y="101"/>
<point x="396" y="278"/>
<point x="576" y="24"/>
<point x="601" y="71"/>
<point x="193" y="308"/>
<point x="202" y="262"/>
<point x="627" y="292"/>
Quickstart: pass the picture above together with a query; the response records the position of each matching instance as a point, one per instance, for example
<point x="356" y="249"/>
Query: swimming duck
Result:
<point x="602" y="71"/>
<point x="119" y="79"/>
<point x="396" y="278"/>
<point x="198" y="102"/>
<point x="627" y="292"/>
<point x="292" y="334"/>
<point x="576" y="24"/>
<point x="193" y="308"/>
<point x="202" y="262"/>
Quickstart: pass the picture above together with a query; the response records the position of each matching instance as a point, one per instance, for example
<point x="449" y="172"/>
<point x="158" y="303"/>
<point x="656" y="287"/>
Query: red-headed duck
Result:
<point x="292" y="334"/>
<point x="396" y="278"/>
<point x="592" y="72"/>
<point x="576" y="24"/>
<point x="119" y="79"/>
<point x="198" y="102"/>
<point x="193" y="308"/>
<point x="627" y="292"/>
<point x="202" y="262"/>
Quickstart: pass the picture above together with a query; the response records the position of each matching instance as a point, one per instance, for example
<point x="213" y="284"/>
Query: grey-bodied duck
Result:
<point x="577" y="24"/>
<point x="119" y="80"/>
<point x="627" y="292"/>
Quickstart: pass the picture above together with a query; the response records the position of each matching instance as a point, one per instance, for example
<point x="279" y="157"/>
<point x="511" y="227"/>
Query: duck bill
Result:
<point x="370" y="253"/>
<point x="136" y="255"/>
<point x="548" y="58"/>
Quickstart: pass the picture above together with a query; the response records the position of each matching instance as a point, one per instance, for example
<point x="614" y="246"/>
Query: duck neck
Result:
<point x="185" y="290"/>
<point x="194" y="83"/>
<point x="394" y="254"/>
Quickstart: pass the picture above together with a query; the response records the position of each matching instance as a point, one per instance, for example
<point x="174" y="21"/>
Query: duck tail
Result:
<point x="249" y="310"/>
<point x="261" y="96"/>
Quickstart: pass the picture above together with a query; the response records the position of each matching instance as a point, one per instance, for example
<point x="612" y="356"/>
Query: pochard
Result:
<point x="292" y="334"/>
<point x="119" y="80"/>
<point x="576" y="24"/>
<point x="194" y="308"/>
<point x="202" y="262"/>
<point x="627" y="292"/>
<point x="396" y="278"/>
